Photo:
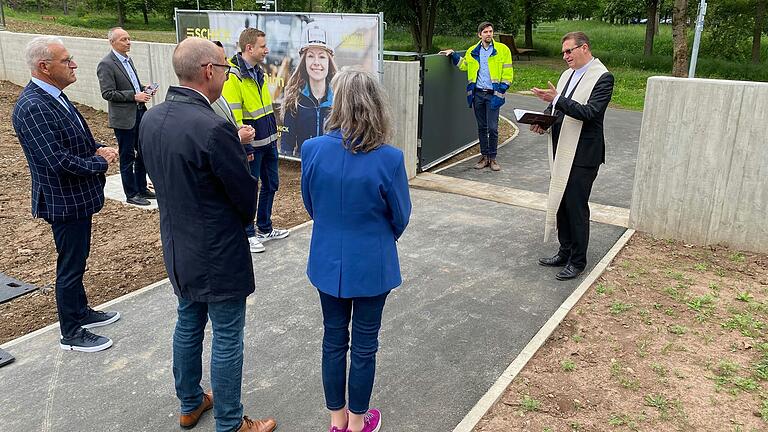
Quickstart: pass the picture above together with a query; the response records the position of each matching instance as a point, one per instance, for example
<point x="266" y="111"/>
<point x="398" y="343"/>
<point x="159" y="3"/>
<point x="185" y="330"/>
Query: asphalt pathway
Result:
<point x="472" y="298"/>
<point x="524" y="160"/>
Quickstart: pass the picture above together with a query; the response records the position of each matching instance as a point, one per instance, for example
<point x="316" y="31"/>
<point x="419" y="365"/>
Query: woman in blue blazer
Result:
<point x="355" y="189"/>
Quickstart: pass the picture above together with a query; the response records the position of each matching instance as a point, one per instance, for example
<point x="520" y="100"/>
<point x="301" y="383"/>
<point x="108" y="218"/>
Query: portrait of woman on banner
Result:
<point x="307" y="97"/>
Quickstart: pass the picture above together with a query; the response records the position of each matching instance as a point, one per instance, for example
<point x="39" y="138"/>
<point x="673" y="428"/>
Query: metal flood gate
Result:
<point x="447" y="126"/>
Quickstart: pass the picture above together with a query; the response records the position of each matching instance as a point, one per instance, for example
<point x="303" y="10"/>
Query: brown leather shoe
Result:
<point x="482" y="163"/>
<point x="494" y="165"/>
<point x="188" y="421"/>
<point x="265" y="425"/>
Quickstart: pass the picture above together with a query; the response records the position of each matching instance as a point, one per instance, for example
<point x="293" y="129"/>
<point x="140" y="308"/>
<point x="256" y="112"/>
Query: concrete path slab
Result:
<point x="532" y="200"/>
<point x="524" y="160"/>
<point x="114" y="190"/>
<point x="473" y="297"/>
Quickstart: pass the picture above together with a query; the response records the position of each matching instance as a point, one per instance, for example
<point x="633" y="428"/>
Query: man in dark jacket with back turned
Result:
<point x="206" y="196"/>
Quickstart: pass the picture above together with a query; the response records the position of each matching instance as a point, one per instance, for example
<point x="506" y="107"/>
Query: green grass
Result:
<point x="529" y="404"/>
<point x="99" y="20"/>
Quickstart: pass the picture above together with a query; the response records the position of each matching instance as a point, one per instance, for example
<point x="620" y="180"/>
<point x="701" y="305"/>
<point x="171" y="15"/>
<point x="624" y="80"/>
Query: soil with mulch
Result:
<point x="672" y="337"/>
<point x="126" y="253"/>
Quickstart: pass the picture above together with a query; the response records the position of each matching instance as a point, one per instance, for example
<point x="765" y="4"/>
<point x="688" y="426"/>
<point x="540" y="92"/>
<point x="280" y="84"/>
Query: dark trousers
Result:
<point x="487" y="124"/>
<point x="73" y="244"/>
<point x="264" y="168"/>
<point x="132" y="171"/>
<point x="573" y="216"/>
<point x="365" y="314"/>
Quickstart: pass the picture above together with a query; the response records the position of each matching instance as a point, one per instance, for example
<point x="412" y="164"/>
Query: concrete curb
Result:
<point x="110" y="303"/>
<point x="507" y="141"/>
<point x="497" y="389"/>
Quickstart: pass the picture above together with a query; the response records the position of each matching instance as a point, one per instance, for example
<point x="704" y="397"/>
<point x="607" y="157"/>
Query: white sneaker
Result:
<point x="276" y="234"/>
<point x="255" y="245"/>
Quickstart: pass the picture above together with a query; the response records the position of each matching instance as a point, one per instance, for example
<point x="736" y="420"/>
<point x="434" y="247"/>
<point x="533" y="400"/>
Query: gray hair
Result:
<point x="190" y="54"/>
<point x="39" y="49"/>
<point x="360" y="110"/>
<point x="111" y="33"/>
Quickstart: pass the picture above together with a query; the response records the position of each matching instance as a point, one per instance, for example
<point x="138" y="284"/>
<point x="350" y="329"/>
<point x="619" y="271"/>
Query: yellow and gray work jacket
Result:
<point x="499" y="66"/>
<point x="248" y="97"/>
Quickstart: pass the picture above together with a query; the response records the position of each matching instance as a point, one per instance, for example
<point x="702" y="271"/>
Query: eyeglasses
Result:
<point x="67" y="61"/>
<point x="225" y="66"/>
<point x="570" y="50"/>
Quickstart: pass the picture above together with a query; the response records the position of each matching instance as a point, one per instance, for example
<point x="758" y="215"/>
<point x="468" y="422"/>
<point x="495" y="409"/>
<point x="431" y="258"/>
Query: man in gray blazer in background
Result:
<point x="121" y="87"/>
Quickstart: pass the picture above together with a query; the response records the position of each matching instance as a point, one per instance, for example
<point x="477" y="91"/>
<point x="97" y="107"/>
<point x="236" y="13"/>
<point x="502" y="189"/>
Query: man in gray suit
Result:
<point x="121" y="87"/>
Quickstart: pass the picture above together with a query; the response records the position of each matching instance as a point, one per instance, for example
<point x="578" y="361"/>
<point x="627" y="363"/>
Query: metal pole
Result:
<point x="697" y="37"/>
<point x="232" y="5"/>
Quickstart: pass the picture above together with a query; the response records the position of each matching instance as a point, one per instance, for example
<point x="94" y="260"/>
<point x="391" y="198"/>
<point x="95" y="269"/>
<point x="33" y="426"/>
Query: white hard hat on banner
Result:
<point x="314" y="37"/>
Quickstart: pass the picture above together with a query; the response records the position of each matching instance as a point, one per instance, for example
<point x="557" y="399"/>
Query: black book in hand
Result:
<point x="534" y="117"/>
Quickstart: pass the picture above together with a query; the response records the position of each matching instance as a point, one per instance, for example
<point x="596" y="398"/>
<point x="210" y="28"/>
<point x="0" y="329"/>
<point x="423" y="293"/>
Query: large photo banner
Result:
<point x="305" y="51"/>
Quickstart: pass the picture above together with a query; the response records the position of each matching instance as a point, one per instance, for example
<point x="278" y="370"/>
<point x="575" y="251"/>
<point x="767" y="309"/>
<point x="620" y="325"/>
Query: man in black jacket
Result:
<point x="206" y="197"/>
<point x="576" y="150"/>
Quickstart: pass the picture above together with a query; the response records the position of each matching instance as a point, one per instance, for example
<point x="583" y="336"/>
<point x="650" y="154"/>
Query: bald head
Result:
<point x="188" y="57"/>
<point x="201" y="65"/>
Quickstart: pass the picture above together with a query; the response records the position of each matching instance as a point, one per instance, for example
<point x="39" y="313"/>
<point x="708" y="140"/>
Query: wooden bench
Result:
<point x="509" y="40"/>
<point x="545" y="28"/>
<point x="48" y="18"/>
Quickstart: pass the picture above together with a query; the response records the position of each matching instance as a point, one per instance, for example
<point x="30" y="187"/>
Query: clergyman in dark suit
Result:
<point x="206" y="197"/>
<point x="121" y="87"/>
<point x="67" y="168"/>
<point x="576" y="150"/>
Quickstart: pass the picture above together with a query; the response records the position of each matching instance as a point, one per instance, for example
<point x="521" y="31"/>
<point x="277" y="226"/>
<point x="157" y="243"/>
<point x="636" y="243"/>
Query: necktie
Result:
<point x="71" y="110"/>
<point x="131" y="75"/>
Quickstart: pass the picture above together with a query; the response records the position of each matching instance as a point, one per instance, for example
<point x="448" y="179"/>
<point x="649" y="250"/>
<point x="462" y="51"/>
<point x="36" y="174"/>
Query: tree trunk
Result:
<point x="423" y="24"/>
<point x="120" y="14"/>
<point x="66" y="8"/>
<point x="680" y="39"/>
<point x="656" y="21"/>
<point x="145" y="12"/>
<point x="528" y="24"/>
<point x="758" y="31"/>
<point x="40" y="7"/>
<point x="651" y="7"/>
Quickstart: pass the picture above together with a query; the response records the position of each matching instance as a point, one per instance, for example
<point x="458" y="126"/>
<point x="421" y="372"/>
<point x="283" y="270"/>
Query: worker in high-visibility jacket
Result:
<point x="489" y="72"/>
<point x="248" y="96"/>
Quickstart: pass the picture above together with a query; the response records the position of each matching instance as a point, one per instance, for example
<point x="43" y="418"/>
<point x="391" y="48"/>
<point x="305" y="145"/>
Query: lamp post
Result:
<point x="697" y="38"/>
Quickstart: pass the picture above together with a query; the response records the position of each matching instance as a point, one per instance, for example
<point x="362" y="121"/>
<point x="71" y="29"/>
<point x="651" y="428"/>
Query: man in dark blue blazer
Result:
<point x="206" y="197"/>
<point x="67" y="168"/>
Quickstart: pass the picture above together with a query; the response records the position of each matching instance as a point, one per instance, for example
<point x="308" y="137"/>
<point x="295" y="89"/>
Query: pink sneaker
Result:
<point x="372" y="421"/>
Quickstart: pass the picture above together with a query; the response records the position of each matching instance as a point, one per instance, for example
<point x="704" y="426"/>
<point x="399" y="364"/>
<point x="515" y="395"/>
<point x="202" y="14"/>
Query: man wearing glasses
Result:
<point x="206" y="196"/>
<point x="122" y="89"/>
<point x="576" y="150"/>
<point x="248" y="95"/>
<point x="67" y="168"/>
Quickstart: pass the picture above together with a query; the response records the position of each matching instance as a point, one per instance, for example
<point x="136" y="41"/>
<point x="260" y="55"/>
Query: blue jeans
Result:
<point x="366" y="322"/>
<point x="264" y="168"/>
<point x="487" y="124"/>
<point x="132" y="171"/>
<point x="73" y="244"/>
<point x="227" y="320"/>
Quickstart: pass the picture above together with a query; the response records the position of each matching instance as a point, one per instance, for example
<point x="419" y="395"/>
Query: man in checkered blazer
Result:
<point x="67" y="168"/>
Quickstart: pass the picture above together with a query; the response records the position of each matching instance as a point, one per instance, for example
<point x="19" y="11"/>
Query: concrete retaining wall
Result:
<point x="153" y="63"/>
<point x="702" y="167"/>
